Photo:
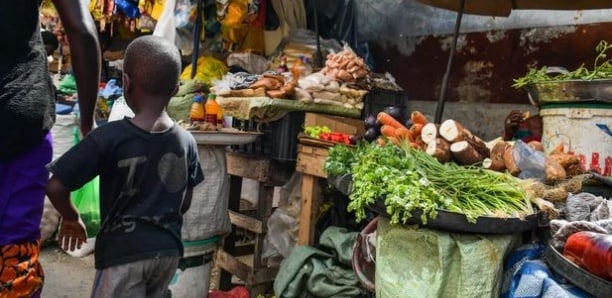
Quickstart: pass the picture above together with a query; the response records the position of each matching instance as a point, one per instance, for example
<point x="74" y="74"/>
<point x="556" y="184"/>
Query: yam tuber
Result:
<point x="440" y="149"/>
<point x="497" y="157"/>
<point x="465" y="154"/>
<point x="509" y="161"/>
<point x="564" y="159"/>
<point x="553" y="170"/>
<point x="453" y="131"/>
<point x="535" y="145"/>
<point x="429" y="133"/>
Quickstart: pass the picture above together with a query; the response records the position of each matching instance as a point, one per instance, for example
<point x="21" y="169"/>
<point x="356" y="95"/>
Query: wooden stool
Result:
<point x="259" y="277"/>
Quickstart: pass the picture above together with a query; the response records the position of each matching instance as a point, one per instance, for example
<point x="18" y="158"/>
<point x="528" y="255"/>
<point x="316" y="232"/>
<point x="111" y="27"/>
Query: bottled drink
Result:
<point x="212" y="110"/>
<point x="197" y="112"/>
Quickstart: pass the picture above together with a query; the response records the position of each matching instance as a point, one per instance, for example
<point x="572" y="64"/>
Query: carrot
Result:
<point x="387" y="131"/>
<point x="394" y="140"/>
<point x="418" y="117"/>
<point x="386" y="119"/>
<point x="403" y="133"/>
<point x="416" y="129"/>
<point x="380" y="141"/>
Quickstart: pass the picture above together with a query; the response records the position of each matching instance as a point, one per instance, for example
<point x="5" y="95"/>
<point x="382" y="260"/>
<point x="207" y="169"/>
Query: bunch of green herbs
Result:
<point x="411" y="181"/>
<point x="602" y="69"/>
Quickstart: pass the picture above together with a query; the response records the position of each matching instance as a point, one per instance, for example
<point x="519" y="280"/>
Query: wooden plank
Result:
<point x="306" y="228"/>
<point x="335" y="123"/>
<point x="264" y="209"/>
<point x="265" y="275"/>
<point x="246" y="222"/>
<point x="229" y="242"/>
<point x="232" y="265"/>
<point x="248" y="166"/>
<point x="311" y="164"/>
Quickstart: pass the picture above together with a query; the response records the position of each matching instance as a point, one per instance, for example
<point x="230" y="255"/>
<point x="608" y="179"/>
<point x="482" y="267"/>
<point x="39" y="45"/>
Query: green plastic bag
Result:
<point x="87" y="201"/>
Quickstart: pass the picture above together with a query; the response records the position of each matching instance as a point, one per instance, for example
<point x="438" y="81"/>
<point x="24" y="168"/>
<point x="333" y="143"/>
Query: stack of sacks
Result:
<point x="319" y="88"/>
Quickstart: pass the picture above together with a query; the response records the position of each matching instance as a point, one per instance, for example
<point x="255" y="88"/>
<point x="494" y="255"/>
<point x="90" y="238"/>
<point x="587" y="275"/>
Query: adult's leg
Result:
<point x="125" y="280"/>
<point x="22" y="190"/>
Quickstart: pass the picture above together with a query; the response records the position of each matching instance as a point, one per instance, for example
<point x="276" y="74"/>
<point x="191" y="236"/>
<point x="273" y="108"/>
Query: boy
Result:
<point x="148" y="166"/>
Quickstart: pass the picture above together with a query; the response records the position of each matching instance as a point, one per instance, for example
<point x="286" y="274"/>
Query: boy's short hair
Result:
<point x="154" y="64"/>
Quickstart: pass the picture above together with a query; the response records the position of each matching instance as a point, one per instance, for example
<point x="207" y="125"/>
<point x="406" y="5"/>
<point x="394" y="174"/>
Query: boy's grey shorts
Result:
<point x="146" y="278"/>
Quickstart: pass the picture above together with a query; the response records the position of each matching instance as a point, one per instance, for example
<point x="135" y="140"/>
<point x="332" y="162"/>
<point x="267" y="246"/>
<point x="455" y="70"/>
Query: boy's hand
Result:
<point x="72" y="234"/>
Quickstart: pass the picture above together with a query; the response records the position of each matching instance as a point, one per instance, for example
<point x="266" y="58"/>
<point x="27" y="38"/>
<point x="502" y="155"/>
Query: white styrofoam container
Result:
<point x="576" y="127"/>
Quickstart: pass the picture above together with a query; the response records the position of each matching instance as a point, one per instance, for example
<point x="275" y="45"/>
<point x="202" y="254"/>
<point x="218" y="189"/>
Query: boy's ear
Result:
<point x="127" y="83"/>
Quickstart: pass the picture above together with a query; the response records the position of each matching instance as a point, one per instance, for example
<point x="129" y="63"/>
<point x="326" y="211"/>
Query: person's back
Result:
<point x="147" y="167"/>
<point x="26" y="117"/>
<point x="26" y="97"/>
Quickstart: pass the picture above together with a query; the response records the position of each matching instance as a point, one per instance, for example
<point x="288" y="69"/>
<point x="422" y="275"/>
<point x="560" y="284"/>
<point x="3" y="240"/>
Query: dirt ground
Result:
<point x="70" y="277"/>
<point x="66" y="276"/>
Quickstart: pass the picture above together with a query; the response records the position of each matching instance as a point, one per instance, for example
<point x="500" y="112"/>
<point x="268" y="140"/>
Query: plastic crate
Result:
<point x="279" y="140"/>
<point x="378" y="99"/>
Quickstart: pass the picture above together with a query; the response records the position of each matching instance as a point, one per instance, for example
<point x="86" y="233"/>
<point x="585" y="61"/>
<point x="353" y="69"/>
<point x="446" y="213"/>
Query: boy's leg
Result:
<point x="159" y="273"/>
<point x="125" y="280"/>
<point x="146" y="278"/>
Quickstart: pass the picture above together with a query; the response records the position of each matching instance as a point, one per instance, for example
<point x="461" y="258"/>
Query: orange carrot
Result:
<point x="387" y="131"/>
<point x="418" y="117"/>
<point x="416" y="128"/>
<point x="380" y="141"/>
<point x="403" y="133"/>
<point x="386" y="119"/>
<point x="414" y="145"/>
<point x="394" y="140"/>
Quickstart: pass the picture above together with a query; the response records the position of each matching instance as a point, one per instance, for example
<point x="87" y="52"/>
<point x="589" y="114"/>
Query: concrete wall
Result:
<point x="412" y="42"/>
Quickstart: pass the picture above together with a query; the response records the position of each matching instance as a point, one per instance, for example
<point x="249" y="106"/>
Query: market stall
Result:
<point x="376" y="198"/>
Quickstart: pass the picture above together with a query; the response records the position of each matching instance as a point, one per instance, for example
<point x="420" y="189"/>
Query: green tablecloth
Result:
<point x="265" y="109"/>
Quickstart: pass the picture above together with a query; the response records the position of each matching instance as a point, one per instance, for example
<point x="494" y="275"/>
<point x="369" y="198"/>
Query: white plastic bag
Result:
<point x="166" y="25"/>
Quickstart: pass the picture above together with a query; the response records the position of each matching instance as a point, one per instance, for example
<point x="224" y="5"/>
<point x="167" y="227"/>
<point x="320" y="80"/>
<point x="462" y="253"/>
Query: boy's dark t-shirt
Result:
<point x="143" y="178"/>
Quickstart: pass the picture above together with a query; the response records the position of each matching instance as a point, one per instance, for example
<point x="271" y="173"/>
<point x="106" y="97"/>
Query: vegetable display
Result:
<point x="411" y="180"/>
<point x="602" y="69"/>
<point x="326" y="134"/>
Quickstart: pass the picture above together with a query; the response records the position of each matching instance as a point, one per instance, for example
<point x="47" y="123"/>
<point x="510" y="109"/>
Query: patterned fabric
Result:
<point x="20" y="272"/>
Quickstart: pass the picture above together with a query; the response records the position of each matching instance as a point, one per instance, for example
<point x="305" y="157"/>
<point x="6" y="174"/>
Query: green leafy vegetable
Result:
<point x="410" y="180"/>
<point x="602" y="69"/>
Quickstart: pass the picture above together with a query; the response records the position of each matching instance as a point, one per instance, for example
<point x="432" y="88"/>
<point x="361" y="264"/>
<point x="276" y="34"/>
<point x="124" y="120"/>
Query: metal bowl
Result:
<point x="570" y="91"/>
<point x="581" y="278"/>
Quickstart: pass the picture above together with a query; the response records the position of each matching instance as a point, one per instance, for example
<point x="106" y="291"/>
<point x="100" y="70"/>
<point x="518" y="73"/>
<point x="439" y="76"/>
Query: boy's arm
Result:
<point x="72" y="233"/>
<point x="187" y="200"/>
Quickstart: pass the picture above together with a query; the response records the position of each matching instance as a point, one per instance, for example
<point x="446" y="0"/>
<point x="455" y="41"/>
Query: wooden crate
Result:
<point x="338" y="124"/>
<point x="311" y="159"/>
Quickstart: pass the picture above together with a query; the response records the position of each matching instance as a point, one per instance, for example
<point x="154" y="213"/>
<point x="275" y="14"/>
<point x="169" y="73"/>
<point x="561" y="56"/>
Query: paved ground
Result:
<point x="66" y="276"/>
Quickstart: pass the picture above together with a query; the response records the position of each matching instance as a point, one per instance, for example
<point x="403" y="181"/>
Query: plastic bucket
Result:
<point x="583" y="129"/>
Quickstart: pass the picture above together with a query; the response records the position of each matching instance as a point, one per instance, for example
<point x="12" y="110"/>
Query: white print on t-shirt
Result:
<point x="171" y="169"/>
<point x="131" y="163"/>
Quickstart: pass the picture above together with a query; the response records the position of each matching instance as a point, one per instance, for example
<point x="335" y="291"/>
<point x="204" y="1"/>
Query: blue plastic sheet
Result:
<point x="526" y="275"/>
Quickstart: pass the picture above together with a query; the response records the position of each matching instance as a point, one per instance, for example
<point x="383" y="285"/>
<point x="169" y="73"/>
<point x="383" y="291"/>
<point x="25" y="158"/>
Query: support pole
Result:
<point x="197" y="31"/>
<point x="451" y="55"/>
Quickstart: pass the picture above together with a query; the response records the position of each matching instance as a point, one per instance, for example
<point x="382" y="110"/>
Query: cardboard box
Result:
<point x="335" y="123"/>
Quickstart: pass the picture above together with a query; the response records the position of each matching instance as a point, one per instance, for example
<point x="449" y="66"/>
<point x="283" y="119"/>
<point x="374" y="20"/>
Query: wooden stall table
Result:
<point x="310" y="161"/>
<point x="257" y="275"/>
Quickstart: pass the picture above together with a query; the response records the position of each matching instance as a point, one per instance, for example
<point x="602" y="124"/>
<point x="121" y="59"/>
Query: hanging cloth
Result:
<point x="291" y="12"/>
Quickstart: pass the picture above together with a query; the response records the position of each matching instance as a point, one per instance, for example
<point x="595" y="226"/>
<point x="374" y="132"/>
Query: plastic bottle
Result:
<point x="212" y="110"/>
<point x="197" y="112"/>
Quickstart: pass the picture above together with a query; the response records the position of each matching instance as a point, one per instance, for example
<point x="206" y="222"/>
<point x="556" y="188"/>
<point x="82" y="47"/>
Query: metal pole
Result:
<point x="196" y="40"/>
<point x="319" y="60"/>
<point x="444" y="87"/>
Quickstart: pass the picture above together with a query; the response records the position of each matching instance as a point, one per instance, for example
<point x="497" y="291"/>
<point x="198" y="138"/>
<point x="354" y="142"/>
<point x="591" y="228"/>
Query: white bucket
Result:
<point x="582" y="130"/>
<point x="192" y="278"/>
